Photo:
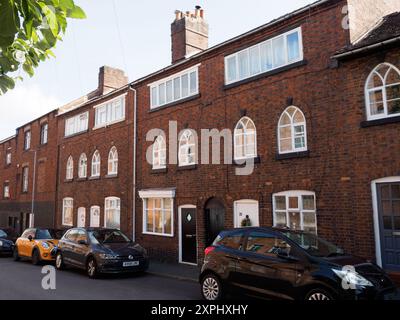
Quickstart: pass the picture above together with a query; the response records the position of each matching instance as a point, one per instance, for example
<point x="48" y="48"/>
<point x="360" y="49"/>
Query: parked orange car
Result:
<point x="37" y="244"/>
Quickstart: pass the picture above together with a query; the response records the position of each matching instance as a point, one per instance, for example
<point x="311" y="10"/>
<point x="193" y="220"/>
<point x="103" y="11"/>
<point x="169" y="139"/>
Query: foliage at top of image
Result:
<point x="29" y="29"/>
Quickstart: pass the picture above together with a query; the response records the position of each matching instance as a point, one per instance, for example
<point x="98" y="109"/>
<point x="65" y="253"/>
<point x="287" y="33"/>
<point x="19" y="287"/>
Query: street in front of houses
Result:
<point x="22" y="280"/>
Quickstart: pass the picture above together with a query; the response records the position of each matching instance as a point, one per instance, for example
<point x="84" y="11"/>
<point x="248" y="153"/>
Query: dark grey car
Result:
<point x="100" y="250"/>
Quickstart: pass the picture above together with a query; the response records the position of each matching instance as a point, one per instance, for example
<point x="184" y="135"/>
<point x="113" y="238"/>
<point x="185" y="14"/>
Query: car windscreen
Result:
<point x="46" y="234"/>
<point x="108" y="236"/>
<point x="314" y="245"/>
<point x="3" y="234"/>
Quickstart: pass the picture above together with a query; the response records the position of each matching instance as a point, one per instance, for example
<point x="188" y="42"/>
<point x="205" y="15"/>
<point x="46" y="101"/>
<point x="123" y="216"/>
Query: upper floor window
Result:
<point x="296" y="210"/>
<point x="96" y="164"/>
<point x="70" y="169"/>
<point x="8" y="157"/>
<point x="175" y="88"/>
<point x="44" y="130"/>
<point x="27" y="140"/>
<point x="265" y="56"/>
<point x="110" y="112"/>
<point x="82" y="172"/>
<point x="245" y="142"/>
<point x="159" y="153"/>
<point x="68" y="212"/>
<point x="113" y="161"/>
<point x="382" y="92"/>
<point x="292" y="131"/>
<point x="6" y="190"/>
<point x="25" y="179"/>
<point x="77" y="124"/>
<point x="187" y="149"/>
<point x="112" y="213"/>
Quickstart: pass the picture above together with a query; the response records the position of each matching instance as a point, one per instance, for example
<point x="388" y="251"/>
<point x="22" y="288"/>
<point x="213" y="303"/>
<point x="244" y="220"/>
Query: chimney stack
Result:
<point x="189" y="34"/>
<point x="111" y="79"/>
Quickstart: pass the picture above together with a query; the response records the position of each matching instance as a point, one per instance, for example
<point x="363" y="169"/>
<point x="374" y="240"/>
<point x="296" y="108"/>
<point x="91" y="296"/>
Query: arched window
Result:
<point x="159" y="153"/>
<point x="95" y="217"/>
<point x="96" y="164"/>
<point x="70" y="168"/>
<point x="82" y="172"/>
<point x="292" y="131"/>
<point x="245" y="143"/>
<point x="113" y="161"/>
<point x="68" y="212"/>
<point x="382" y="92"/>
<point x="187" y="149"/>
<point x="112" y="211"/>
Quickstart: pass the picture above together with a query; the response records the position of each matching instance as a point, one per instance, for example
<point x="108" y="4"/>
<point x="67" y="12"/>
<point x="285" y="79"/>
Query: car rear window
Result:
<point x="3" y="234"/>
<point x="231" y="241"/>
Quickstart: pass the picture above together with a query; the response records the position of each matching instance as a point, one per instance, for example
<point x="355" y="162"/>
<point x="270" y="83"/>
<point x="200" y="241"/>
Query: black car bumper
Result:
<point x="6" y="250"/>
<point x="372" y="294"/>
<point x="117" y="266"/>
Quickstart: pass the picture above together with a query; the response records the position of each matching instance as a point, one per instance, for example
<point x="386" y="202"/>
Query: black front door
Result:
<point x="189" y="235"/>
<point x="389" y="224"/>
<point x="215" y="220"/>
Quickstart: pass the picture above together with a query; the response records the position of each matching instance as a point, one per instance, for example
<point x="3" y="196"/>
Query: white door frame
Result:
<point x="374" y="189"/>
<point x="81" y="210"/>
<point x="186" y="206"/>
<point x="235" y="204"/>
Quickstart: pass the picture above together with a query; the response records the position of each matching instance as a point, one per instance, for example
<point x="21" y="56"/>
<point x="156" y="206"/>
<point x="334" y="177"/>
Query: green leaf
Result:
<point x="9" y="23"/>
<point x="66" y="5"/>
<point x="76" y="13"/>
<point x="51" y="19"/>
<point x="6" y="83"/>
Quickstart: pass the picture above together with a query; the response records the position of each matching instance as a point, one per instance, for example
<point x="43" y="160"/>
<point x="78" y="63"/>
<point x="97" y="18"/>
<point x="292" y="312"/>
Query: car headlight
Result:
<point x="351" y="279"/>
<point x="45" y="245"/>
<point x="1" y="243"/>
<point x="105" y="256"/>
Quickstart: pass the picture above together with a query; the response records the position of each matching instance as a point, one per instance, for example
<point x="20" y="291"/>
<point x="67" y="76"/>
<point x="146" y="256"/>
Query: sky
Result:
<point x="129" y="34"/>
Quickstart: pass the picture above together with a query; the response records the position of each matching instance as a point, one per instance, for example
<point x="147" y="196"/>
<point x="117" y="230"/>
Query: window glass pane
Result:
<point x="285" y="132"/>
<point x="169" y="91"/>
<point x="299" y="143"/>
<point x="158" y="221"/>
<point x="193" y="82"/>
<point x="396" y="191"/>
<point x="385" y="192"/>
<point x="185" y="85"/>
<point x="376" y="102"/>
<point x="278" y="46"/>
<point x="392" y="77"/>
<point x="177" y="88"/>
<point x="286" y="145"/>
<point x="375" y="81"/>
<point x="394" y="106"/>
<point x="309" y="222"/>
<point x="266" y="244"/>
<point x="396" y="221"/>
<point x="231" y="65"/>
<point x="308" y="203"/>
<point x="387" y="208"/>
<point x="280" y="203"/>
<point x="293" y="202"/>
<point x="396" y="207"/>
<point x="161" y="94"/>
<point x="387" y="223"/>
<point x="293" y="46"/>
<point x="243" y="58"/>
<point x="266" y="56"/>
<point x="280" y="219"/>
<point x="294" y="220"/>
<point x="167" y="222"/>
<point x="254" y="53"/>
<point x="233" y="241"/>
<point x="393" y="92"/>
<point x="154" y="101"/>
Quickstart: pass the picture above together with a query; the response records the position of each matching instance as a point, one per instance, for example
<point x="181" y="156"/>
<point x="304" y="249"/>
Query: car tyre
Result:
<point x="91" y="268"/>
<point x="319" y="295"/>
<point x="35" y="257"/>
<point x="15" y="254"/>
<point x="59" y="261"/>
<point x="211" y="288"/>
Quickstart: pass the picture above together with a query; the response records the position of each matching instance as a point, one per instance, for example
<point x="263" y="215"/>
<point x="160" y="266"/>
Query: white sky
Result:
<point x="142" y="47"/>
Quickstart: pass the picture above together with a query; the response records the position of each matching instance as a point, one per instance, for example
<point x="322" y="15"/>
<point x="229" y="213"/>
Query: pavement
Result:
<point x="23" y="281"/>
<point x="175" y="271"/>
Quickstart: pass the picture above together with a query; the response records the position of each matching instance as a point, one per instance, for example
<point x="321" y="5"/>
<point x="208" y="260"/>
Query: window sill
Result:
<point x="81" y="179"/>
<point x="172" y="104"/>
<point x="94" y="178"/>
<point x="158" y="234"/>
<point x="76" y="134"/>
<point x="293" y="155"/>
<point x="68" y="180"/>
<point x="266" y="74"/>
<point x="189" y="167"/>
<point x="111" y="176"/>
<point x="109" y="124"/>
<point x="380" y="122"/>
<point x="243" y="162"/>
<point x="159" y="171"/>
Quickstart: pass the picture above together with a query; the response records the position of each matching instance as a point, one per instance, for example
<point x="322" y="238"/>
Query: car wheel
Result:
<point x="319" y="295"/>
<point x="15" y="254"/>
<point x="59" y="261"/>
<point x="35" y="257"/>
<point x="91" y="268"/>
<point x="211" y="288"/>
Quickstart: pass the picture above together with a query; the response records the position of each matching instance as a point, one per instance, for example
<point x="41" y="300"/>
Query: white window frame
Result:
<point x="292" y="126"/>
<point x="69" y="175"/>
<point x="267" y="42"/>
<point x="76" y="124"/>
<point x="245" y="134"/>
<point x="163" y="83"/>
<point x="161" y="145"/>
<point x="25" y="179"/>
<point x="65" y="207"/>
<point x="382" y="88"/>
<point x="82" y="166"/>
<point x="96" y="164"/>
<point x="107" y="208"/>
<point x="113" y="161"/>
<point x="6" y="190"/>
<point x="292" y="194"/>
<point x="92" y="209"/>
<point x="108" y="109"/>
<point x="186" y="134"/>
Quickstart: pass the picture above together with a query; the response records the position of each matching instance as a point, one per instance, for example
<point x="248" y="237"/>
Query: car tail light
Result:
<point x="208" y="250"/>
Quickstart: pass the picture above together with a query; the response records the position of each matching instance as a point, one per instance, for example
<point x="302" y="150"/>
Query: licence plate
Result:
<point x="131" y="264"/>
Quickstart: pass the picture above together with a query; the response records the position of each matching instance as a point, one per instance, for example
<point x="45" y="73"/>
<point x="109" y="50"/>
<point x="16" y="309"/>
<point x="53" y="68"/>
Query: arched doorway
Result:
<point x="215" y="219"/>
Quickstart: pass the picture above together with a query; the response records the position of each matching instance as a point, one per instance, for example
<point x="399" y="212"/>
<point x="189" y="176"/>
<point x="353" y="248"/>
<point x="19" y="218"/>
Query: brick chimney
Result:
<point x="189" y="33"/>
<point x="111" y="79"/>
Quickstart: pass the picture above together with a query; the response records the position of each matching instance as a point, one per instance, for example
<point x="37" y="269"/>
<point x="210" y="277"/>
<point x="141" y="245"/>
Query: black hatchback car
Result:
<point x="7" y="239"/>
<point x="99" y="250"/>
<point x="285" y="264"/>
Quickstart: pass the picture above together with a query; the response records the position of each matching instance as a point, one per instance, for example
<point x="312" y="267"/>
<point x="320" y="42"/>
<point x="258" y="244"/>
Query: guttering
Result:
<point x="134" y="162"/>
<point x="7" y="139"/>
<point x="365" y="49"/>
